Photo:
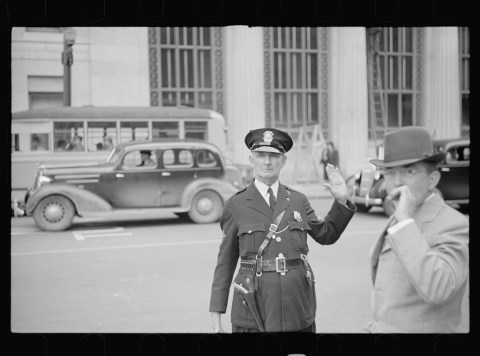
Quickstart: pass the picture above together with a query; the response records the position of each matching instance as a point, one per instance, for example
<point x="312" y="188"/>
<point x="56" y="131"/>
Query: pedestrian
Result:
<point x="266" y="226"/>
<point x="419" y="264"/>
<point x="329" y="156"/>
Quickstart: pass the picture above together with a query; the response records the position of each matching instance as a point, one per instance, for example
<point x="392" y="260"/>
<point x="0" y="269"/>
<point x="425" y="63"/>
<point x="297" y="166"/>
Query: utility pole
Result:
<point x="69" y="35"/>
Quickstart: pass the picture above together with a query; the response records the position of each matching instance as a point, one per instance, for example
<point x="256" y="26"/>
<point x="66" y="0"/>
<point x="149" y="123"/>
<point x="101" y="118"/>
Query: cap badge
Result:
<point x="297" y="216"/>
<point x="268" y="136"/>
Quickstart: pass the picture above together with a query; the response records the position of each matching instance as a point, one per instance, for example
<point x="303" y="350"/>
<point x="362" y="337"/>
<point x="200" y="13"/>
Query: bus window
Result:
<point x="15" y="142"/>
<point x="133" y="131"/>
<point x="165" y="129"/>
<point x="101" y="135"/>
<point x="69" y="132"/>
<point x="196" y="129"/>
<point x="39" y="142"/>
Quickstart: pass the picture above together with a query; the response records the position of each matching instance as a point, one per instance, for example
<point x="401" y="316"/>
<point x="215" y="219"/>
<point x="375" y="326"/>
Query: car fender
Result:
<point x="223" y="188"/>
<point x="83" y="200"/>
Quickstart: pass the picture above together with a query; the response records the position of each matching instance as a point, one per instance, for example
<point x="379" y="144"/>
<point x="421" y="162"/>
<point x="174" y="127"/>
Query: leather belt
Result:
<point x="280" y="264"/>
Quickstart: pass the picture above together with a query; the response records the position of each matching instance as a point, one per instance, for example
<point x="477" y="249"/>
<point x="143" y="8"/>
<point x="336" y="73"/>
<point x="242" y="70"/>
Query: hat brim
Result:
<point x="436" y="158"/>
<point x="267" y="149"/>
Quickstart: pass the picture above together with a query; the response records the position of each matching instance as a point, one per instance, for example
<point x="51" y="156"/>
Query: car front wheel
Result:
<point x="54" y="213"/>
<point x="206" y="207"/>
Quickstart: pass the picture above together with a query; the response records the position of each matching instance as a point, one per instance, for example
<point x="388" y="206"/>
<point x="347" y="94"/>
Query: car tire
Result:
<point x="54" y="213"/>
<point x="206" y="207"/>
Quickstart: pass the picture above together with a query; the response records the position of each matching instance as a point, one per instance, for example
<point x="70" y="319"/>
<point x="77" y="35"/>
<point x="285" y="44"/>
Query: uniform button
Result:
<point x="279" y="239"/>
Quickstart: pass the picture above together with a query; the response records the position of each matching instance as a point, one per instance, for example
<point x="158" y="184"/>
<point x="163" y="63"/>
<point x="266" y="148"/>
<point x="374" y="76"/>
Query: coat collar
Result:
<point x="258" y="203"/>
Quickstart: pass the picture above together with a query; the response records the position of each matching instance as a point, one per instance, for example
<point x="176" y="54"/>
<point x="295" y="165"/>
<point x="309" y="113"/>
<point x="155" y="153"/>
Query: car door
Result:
<point x="132" y="185"/>
<point x="454" y="182"/>
<point x="177" y="171"/>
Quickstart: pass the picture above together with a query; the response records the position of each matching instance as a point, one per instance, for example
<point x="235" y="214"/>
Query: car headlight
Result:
<point x="43" y="180"/>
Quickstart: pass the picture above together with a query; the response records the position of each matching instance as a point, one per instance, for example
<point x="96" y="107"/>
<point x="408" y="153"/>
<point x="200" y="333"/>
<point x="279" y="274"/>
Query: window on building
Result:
<point x="295" y="77"/>
<point x="186" y="67"/>
<point x="394" y="85"/>
<point x="44" y="91"/>
<point x="464" y="45"/>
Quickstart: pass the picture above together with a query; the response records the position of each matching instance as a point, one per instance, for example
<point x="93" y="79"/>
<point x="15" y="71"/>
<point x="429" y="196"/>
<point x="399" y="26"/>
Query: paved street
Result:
<point x="154" y="276"/>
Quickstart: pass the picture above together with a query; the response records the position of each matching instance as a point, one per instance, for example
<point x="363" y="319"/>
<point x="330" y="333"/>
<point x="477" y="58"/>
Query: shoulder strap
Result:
<point x="273" y="228"/>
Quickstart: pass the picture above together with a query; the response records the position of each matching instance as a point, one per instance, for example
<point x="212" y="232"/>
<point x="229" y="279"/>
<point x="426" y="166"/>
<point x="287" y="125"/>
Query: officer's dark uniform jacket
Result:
<point x="286" y="302"/>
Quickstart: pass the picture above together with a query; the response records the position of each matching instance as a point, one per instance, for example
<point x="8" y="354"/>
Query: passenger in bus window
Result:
<point x="36" y="144"/>
<point x="108" y="143"/>
<point x="76" y="145"/>
<point x="61" y="145"/>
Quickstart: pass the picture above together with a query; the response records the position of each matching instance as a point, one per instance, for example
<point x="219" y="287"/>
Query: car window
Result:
<point x="458" y="154"/>
<point x="139" y="159"/>
<point x="206" y="158"/>
<point x="177" y="158"/>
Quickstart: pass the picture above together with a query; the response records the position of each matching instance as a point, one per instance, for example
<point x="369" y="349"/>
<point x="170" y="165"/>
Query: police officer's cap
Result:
<point x="268" y="140"/>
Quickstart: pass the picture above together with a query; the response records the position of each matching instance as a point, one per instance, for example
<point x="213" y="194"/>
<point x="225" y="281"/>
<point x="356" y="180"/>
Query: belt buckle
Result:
<point x="273" y="228"/>
<point x="280" y="264"/>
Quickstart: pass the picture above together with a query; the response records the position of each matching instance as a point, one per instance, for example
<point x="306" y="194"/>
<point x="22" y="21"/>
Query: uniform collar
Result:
<point x="262" y="188"/>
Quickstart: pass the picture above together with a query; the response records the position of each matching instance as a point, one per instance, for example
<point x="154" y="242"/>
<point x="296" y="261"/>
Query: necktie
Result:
<point x="271" y="199"/>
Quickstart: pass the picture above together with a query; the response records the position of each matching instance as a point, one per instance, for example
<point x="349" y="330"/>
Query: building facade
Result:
<point x="345" y="84"/>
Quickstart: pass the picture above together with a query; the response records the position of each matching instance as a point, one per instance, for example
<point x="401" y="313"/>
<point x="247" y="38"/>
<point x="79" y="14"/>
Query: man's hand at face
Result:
<point x="405" y="202"/>
<point x="336" y="185"/>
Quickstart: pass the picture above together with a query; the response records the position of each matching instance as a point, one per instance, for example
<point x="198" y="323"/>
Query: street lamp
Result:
<point x="69" y="35"/>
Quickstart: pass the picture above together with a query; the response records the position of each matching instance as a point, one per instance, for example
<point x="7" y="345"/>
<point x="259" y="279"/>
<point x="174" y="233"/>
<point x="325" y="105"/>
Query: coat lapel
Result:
<point x="283" y="201"/>
<point x="377" y="248"/>
<point x="256" y="201"/>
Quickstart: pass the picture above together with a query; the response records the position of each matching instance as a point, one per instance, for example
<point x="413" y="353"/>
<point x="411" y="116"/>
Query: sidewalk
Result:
<point x="313" y="190"/>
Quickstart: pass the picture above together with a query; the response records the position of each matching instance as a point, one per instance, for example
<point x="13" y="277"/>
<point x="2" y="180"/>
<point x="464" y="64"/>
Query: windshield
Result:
<point x="114" y="156"/>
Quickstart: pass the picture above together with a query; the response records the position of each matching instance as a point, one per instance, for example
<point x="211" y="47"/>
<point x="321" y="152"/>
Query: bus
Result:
<point x="88" y="134"/>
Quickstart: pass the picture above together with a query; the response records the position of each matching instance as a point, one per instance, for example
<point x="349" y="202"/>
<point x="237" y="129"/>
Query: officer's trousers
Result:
<point x="239" y="329"/>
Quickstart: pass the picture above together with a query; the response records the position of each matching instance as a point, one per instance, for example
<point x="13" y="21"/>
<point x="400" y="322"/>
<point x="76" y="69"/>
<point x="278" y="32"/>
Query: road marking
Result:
<point x="160" y="244"/>
<point x="86" y="234"/>
<point x="121" y="247"/>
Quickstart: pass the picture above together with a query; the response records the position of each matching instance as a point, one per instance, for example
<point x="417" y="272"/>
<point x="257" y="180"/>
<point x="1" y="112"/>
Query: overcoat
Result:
<point x="420" y="273"/>
<point x="286" y="302"/>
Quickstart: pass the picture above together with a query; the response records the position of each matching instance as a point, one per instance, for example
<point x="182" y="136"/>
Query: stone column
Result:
<point x="244" y="87"/>
<point x="348" y="112"/>
<point x="441" y="82"/>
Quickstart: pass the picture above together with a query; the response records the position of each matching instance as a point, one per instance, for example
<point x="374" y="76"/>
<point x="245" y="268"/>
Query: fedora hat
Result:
<point x="407" y="145"/>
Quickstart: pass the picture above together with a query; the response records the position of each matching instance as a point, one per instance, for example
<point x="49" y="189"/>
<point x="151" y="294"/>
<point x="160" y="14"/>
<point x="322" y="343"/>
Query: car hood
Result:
<point x="75" y="168"/>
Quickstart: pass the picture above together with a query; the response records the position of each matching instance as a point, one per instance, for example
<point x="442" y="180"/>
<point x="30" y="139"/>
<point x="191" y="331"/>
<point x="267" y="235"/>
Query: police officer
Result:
<point x="266" y="226"/>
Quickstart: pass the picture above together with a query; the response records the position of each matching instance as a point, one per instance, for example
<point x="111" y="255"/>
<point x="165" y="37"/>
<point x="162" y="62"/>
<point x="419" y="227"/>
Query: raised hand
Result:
<point x="336" y="185"/>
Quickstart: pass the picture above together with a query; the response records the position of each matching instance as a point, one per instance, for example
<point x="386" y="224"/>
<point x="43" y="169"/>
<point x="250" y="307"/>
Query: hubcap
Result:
<point x="205" y="206"/>
<point x="53" y="212"/>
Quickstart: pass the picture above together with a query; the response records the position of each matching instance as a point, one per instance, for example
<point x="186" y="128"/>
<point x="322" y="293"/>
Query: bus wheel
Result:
<point x="54" y="213"/>
<point x="206" y="207"/>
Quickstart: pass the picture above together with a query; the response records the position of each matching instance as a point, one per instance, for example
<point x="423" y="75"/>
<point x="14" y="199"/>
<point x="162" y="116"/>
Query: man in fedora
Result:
<point x="266" y="225"/>
<point x="419" y="264"/>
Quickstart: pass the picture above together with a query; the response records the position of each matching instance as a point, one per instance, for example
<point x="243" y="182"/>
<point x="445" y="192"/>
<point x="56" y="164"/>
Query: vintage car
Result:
<point x="367" y="187"/>
<point x="187" y="177"/>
